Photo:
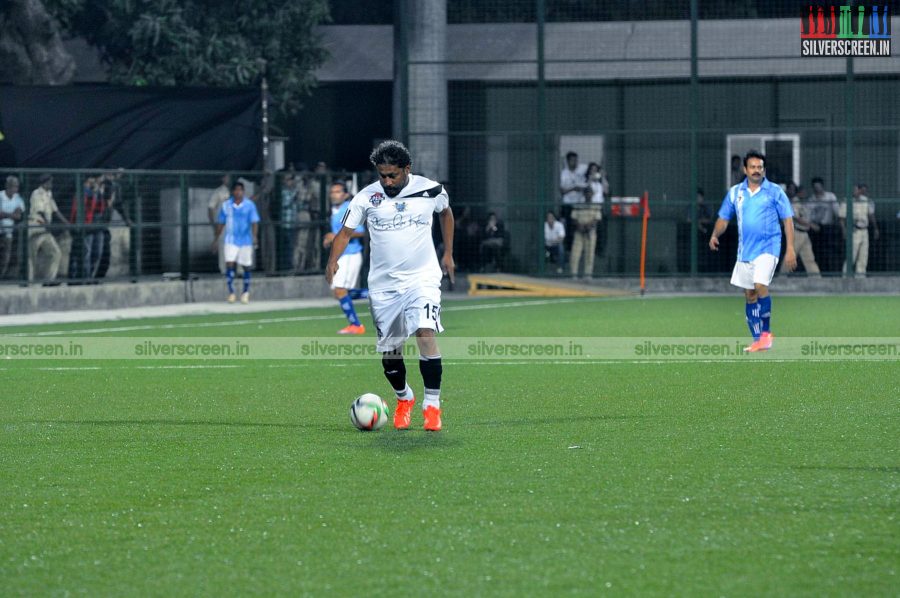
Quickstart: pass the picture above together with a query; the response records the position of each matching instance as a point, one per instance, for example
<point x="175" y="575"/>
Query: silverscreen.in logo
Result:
<point x="848" y="30"/>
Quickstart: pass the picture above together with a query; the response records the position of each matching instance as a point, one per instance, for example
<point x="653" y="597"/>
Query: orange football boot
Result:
<point x="353" y="329"/>
<point x="432" y="419"/>
<point x="403" y="413"/>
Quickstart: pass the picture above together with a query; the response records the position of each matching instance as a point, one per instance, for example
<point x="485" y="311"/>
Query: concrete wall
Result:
<point x="15" y="300"/>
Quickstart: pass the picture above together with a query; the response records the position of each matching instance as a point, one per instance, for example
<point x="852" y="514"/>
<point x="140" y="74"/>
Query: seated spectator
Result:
<point x="44" y="252"/>
<point x="11" y="209"/>
<point x="554" y="240"/>
<point x="493" y="243"/>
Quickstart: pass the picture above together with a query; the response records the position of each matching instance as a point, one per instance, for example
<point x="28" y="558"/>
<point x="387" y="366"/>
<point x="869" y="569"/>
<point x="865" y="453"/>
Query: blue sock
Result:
<point x="753" y="319"/>
<point x="359" y="293"/>
<point x="765" y="312"/>
<point x="246" y="280"/>
<point x="347" y="305"/>
<point x="229" y="276"/>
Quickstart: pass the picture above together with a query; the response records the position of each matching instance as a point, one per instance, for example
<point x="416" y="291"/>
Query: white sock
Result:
<point x="406" y="394"/>
<point x="432" y="398"/>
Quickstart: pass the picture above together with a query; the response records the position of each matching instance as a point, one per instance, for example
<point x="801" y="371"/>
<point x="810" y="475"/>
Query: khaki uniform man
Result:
<point x="41" y="242"/>
<point x="585" y="217"/>
<point x="863" y="217"/>
<point x="802" y="243"/>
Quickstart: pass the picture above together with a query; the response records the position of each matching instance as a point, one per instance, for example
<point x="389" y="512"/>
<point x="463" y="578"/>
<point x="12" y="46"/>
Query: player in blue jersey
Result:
<point x="346" y="281"/>
<point x="761" y="208"/>
<point x="240" y="220"/>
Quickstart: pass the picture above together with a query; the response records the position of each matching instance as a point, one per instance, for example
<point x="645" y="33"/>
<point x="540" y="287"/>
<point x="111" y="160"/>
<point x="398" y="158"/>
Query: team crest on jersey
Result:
<point x="401" y="206"/>
<point x="376" y="198"/>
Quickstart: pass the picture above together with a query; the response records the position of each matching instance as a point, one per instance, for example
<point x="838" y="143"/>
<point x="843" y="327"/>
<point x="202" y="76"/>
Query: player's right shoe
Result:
<point x="245" y="297"/>
<point x="232" y="298"/>
<point x="432" y="419"/>
<point x="765" y="341"/>
<point x="353" y="329"/>
<point x="403" y="413"/>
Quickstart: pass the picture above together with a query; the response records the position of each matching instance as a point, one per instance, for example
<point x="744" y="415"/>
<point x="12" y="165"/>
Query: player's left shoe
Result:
<point x="752" y="347"/>
<point x="245" y="297"/>
<point x="353" y="329"/>
<point x="432" y="419"/>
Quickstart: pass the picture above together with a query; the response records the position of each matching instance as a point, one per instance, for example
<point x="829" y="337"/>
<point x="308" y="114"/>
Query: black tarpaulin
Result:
<point x="130" y="127"/>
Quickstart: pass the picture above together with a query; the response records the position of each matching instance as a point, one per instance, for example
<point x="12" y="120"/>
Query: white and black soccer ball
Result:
<point x="368" y="412"/>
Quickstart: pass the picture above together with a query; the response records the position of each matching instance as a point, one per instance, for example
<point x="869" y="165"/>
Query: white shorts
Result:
<point x="399" y="314"/>
<point x="347" y="276"/>
<point x="242" y="254"/>
<point x="760" y="271"/>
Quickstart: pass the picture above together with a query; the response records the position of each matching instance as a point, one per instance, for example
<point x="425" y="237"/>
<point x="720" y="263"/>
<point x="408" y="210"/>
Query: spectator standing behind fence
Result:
<point x="94" y="214"/>
<point x="585" y="216"/>
<point x="240" y="219"/>
<point x="554" y="237"/>
<point x="493" y="242"/>
<point x="802" y="225"/>
<point x="863" y="217"/>
<point x="702" y="231"/>
<point x="287" y="222"/>
<point x="41" y="243"/>
<point x="12" y="207"/>
<point x="737" y="170"/>
<point x="216" y="199"/>
<point x="305" y="241"/>
<point x="825" y="236"/>
<point x="572" y="185"/>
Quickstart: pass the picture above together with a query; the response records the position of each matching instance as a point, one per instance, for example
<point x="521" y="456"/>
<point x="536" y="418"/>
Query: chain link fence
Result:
<point x="662" y="103"/>
<point x="131" y="225"/>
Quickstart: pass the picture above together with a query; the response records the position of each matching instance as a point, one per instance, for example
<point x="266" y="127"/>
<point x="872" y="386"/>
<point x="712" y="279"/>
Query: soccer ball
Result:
<point x="369" y="412"/>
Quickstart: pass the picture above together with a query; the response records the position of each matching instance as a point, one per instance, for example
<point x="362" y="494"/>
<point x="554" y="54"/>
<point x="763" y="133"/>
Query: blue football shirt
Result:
<point x="337" y="223"/>
<point x="759" y="218"/>
<point x="238" y="221"/>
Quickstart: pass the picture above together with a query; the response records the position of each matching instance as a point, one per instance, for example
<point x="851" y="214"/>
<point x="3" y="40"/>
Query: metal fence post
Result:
<point x="24" y="242"/>
<point x="185" y="236"/>
<point x="543" y="163"/>
<point x="695" y="152"/>
<point x="848" y="138"/>
<point x="76" y="250"/>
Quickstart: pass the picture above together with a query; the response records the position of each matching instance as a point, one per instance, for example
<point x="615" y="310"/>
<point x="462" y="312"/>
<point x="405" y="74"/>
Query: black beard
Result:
<point x="391" y="191"/>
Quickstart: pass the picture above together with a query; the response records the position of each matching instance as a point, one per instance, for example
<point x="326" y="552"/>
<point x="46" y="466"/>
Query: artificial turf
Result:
<point x="207" y="477"/>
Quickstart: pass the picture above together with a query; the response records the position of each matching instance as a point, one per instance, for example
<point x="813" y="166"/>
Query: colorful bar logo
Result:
<point x="863" y="30"/>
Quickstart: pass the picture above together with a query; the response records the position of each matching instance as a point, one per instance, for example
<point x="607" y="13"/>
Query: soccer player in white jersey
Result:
<point x="761" y="207"/>
<point x="404" y="273"/>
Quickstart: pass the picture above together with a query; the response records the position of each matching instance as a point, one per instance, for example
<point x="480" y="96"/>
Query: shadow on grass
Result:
<point x="406" y="441"/>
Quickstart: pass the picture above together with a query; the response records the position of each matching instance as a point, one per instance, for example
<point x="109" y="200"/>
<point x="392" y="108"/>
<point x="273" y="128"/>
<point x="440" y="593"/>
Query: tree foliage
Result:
<point x="204" y="42"/>
<point x="31" y="49"/>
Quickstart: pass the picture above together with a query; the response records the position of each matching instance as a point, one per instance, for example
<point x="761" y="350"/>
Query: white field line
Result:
<point x="245" y="321"/>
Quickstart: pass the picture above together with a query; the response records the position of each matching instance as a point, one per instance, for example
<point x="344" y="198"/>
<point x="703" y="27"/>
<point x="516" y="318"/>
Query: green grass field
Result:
<point x="736" y="477"/>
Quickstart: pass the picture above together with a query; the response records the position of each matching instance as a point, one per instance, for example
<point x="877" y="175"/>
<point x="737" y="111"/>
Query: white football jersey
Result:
<point x="402" y="252"/>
